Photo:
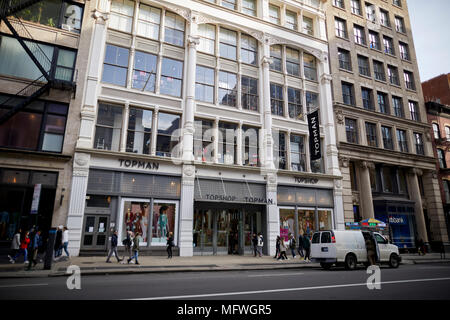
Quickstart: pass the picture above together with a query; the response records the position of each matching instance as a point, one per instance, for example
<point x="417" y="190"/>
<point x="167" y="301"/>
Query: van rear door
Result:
<point x="326" y="248"/>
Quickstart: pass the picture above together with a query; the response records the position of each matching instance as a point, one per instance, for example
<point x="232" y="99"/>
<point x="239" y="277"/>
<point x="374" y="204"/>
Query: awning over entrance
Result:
<point x="230" y="191"/>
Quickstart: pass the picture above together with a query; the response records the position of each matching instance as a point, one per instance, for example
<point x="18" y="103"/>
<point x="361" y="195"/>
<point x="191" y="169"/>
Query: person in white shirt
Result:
<point x="65" y="240"/>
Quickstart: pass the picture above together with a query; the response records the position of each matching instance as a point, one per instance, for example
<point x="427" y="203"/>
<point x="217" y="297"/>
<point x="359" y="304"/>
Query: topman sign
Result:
<point x="314" y="136"/>
<point x="146" y="165"/>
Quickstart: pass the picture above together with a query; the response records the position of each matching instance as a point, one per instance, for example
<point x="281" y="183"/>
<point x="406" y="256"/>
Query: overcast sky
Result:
<point x="430" y="22"/>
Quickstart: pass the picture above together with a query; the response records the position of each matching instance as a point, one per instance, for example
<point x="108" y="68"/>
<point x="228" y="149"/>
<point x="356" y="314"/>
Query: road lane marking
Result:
<point x="274" y="274"/>
<point x="285" y="290"/>
<point x="23" y="285"/>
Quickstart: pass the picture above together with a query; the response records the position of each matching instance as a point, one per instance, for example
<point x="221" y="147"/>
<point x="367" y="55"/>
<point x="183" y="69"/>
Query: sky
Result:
<point x="430" y="23"/>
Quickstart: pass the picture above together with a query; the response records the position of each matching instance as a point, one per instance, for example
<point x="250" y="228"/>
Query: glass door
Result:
<point x="95" y="232"/>
<point x="228" y="231"/>
<point x="203" y="232"/>
<point x="252" y="225"/>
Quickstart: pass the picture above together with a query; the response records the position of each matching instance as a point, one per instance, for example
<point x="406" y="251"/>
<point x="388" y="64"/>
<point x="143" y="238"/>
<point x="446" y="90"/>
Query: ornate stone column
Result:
<point x="415" y="195"/>
<point x="185" y="242"/>
<point x="273" y="215"/>
<point x="366" y="199"/>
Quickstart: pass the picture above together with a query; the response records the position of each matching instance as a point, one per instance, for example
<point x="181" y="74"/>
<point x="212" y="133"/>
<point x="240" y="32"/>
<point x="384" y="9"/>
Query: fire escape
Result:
<point x="41" y="85"/>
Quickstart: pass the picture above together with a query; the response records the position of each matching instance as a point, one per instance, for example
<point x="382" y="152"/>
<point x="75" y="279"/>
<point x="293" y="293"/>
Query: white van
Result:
<point x="348" y="248"/>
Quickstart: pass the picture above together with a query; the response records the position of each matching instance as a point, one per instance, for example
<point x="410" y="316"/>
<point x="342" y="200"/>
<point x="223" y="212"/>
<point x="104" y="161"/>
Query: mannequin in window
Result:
<point x="163" y="222"/>
<point x="129" y="217"/>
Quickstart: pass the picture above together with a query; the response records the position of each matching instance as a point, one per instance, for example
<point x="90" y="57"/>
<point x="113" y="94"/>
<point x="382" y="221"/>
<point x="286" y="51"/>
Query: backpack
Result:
<point x="126" y="242"/>
<point x="260" y="241"/>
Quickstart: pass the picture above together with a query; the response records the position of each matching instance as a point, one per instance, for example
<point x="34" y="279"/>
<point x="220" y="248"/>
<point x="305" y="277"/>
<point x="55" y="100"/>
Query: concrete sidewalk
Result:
<point x="158" y="264"/>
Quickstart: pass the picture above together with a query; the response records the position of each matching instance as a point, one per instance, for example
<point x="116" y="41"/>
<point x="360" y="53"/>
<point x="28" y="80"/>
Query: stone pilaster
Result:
<point x="185" y="242"/>
<point x="273" y="215"/>
<point x="414" y="193"/>
<point x="366" y="199"/>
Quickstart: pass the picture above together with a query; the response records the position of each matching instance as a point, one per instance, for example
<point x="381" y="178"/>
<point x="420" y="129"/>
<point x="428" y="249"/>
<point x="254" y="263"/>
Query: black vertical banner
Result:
<point x="314" y="136"/>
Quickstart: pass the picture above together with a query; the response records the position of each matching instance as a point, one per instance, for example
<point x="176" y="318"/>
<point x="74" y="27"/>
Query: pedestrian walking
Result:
<point x="277" y="246"/>
<point x="170" y="245"/>
<point x="15" y="245"/>
<point x="260" y="244"/>
<point x="35" y="243"/>
<point x="307" y="247"/>
<point x="23" y="249"/>
<point x="65" y="241"/>
<point x="113" y="249"/>
<point x="255" y="244"/>
<point x="128" y="242"/>
<point x="300" y="246"/>
<point x="442" y="249"/>
<point x="292" y="244"/>
<point x="58" y="242"/>
<point x="135" y="248"/>
<point x="371" y="251"/>
<point x="283" y="255"/>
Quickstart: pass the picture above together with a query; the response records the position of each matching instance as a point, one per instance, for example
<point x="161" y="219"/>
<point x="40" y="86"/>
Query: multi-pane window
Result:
<point x="370" y="12"/>
<point x="447" y="133"/>
<point x="203" y="140"/>
<point x="351" y="130"/>
<point x="339" y="3"/>
<point x="121" y="16"/>
<point x="149" y="21"/>
<point x="409" y="80"/>
<point x="360" y="34"/>
<point x="228" y="44"/>
<point x="291" y="20"/>
<point x="367" y="99"/>
<point x="204" y="84"/>
<point x="383" y="102"/>
<point x="249" y="7"/>
<point x="249" y="88"/>
<point x="441" y="158"/>
<point x="292" y="62"/>
<point x="341" y="28"/>
<point x="347" y="93"/>
<point x="400" y="24"/>
<point x="371" y="134"/>
<point x="436" y="131"/>
<point x="312" y="101"/>
<point x="298" y="154"/>
<point x="419" y="143"/>
<point x="249" y="49"/>
<point x="174" y="29"/>
<point x="398" y="3"/>
<point x="404" y="51"/>
<point x="374" y="40"/>
<point x="139" y="131"/>
<point x="295" y="104"/>
<point x="414" y="111"/>
<point x="378" y="70"/>
<point x="280" y="150"/>
<point x="388" y="45"/>
<point x="171" y="77"/>
<point x="308" y="25"/>
<point x="115" y="66"/>
<point x="274" y="14"/>
<point x="207" y="34"/>
<point x="384" y="18"/>
<point x="167" y="139"/>
<point x="387" y="138"/>
<point x="363" y="66"/>
<point x="275" y="55"/>
<point x="227" y="88"/>
<point x="309" y="67"/>
<point x="227" y="153"/>
<point x="393" y="75"/>
<point x="397" y="104"/>
<point x="356" y="6"/>
<point x="344" y="59"/>
<point x="402" y="142"/>
<point x="250" y="138"/>
<point x="230" y="4"/>
<point x="144" y="74"/>
<point x="39" y="127"/>
<point x="276" y="99"/>
<point x="108" y="127"/>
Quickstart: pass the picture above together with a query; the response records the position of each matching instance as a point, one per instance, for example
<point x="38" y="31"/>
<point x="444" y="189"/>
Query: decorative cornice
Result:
<point x="367" y="165"/>
<point x="97" y="15"/>
<point x="193" y="42"/>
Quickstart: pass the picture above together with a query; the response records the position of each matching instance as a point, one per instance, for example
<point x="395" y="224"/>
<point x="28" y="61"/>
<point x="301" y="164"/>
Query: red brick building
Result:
<point x="437" y="89"/>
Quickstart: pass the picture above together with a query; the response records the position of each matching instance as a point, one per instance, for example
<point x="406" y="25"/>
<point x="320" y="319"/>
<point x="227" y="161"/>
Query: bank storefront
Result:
<point x="226" y="214"/>
<point x="303" y="210"/>
<point x="139" y="196"/>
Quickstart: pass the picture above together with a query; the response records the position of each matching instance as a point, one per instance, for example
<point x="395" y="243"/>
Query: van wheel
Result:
<point x="393" y="261"/>
<point x="326" y="266"/>
<point x="350" y="262"/>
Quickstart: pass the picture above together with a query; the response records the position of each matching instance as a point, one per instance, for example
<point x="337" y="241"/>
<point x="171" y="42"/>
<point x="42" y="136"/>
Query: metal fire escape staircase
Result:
<point x="8" y="11"/>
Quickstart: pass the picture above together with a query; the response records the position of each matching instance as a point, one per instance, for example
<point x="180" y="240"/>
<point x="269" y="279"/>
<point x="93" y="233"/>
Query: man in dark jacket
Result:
<point x="300" y="246"/>
<point x="58" y="242"/>
<point x="113" y="248"/>
<point x="307" y="247"/>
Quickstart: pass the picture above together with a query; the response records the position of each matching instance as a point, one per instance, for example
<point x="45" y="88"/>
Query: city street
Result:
<point x="421" y="282"/>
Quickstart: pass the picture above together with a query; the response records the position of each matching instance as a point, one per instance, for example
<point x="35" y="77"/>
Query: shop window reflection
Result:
<point x="306" y="222"/>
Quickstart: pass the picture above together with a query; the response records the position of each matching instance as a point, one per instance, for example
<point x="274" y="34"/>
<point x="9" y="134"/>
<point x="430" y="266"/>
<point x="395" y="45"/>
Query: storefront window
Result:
<point x="325" y="222"/>
<point x="139" y="131"/>
<point x="306" y="222"/>
<point x="227" y="143"/>
<point x="163" y="221"/>
<point x="167" y="139"/>
<point x="135" y="218"/>
<point x="287" y="223"/>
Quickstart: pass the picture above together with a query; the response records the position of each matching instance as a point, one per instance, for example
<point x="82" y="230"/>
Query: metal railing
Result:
<point x="9" y="7"/>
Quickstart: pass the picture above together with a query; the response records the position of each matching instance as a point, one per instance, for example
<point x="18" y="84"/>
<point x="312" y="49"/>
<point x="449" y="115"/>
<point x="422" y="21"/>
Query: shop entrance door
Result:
<point x="95" y="232"/>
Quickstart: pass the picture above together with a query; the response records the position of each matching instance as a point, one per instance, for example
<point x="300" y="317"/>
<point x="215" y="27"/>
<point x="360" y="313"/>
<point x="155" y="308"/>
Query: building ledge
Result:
<point x="34" y="155"/>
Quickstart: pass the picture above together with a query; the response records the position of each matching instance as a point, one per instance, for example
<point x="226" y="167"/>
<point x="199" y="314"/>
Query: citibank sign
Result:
<point x="397" y="220"/>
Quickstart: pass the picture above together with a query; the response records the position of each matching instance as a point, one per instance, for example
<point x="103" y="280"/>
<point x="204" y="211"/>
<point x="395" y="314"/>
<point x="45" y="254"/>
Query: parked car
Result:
<point x="348" y="248"/>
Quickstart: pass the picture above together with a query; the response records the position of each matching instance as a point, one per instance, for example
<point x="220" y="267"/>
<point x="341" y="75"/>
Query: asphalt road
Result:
<point x="413" y="282"/>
